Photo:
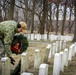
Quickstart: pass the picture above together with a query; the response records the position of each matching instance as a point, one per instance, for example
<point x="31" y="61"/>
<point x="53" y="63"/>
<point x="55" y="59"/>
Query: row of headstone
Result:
<point x="51" y="37"/>
<point x="43" y="68"/>
<point x="5" y="65"/>
<point x="5" y="61"/>
<point x="50" y="51"/>
<point x="61" y="59"/>
<point x="56" y="47"/>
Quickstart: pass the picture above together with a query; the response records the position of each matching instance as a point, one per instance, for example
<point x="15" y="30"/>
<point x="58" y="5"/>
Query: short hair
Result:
<point x="23" y="25"/>
<point x="18" y="25"/>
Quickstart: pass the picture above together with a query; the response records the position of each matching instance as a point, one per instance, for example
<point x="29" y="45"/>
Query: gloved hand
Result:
<point x="12" y="60"/>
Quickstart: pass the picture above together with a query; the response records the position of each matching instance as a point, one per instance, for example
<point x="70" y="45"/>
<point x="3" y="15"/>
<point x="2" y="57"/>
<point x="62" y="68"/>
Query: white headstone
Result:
<point x="62" y="37"/>
<point x="28" y="36"/>
<point x="59" y="37"/>
<point x="44" y="37"/>
<point x="68" y="38"/>
<point x="43" y="69"/>
<point x="35" y="36"/>
<point x="52" y="37"/>
<point x="5" y="62"/>
<point x="32" y="37"/>
<point x="64" y="44"/>
<point x="37" y="60"/>
<point x="62" y="61"/>
<point x="60" y="45"/>
<point x="24" y="62"/>
<point x="25" y="73"/>
<point x="50" y="53"/>
<point x="57" y="64"/>
<point x="55" y="37"/>
<point x="65" y="57"/>
<point x="54" y="49"/>
<point x="75" y="47"/>
<point x="70" y="52"/>
<point x="38" y="37"/>
<point x="47" y="53"/>
<point x="57" y="46"/>
<point x="73" y="50"/>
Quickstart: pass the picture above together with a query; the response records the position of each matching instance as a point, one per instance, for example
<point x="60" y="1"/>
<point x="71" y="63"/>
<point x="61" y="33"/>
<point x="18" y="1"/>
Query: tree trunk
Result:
<point x="11" y="10"/>
<point x="64" y="18"/>
<point x="26" y="10"/>
<point x="70" y="20"/>
<point x="51" y="26"/>
<point x="43" y="20"/>
<point x="32" y="26"/>
<point x="74" y="39"/>
<point x="57" y="16"/>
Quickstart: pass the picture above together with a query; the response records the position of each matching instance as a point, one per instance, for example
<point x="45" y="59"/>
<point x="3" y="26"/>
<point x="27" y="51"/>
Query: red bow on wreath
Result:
<point x="15" y="48"/>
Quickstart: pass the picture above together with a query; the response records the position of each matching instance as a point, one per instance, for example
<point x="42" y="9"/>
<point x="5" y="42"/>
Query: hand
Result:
<point x="12" y="60"/>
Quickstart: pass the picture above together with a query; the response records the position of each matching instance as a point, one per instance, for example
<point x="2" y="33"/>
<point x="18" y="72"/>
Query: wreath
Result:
<point x="19" y="44"/>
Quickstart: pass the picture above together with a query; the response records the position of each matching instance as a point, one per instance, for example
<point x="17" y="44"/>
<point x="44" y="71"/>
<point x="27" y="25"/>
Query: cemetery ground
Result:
<point x="41" y="45"/>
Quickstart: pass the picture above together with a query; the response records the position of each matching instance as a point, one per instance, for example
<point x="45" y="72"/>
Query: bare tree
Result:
<point x="57" y="16"/>
<point x="74" y="39"/>
<point x="51" y="25"/>
<point x="39" y="8"/>
<point x="33" y="10"/>
<point x="11" y="10"/>
<point x="64" y="18"/>
<point x="43" y="18"/>
<point x="26" y="10"/>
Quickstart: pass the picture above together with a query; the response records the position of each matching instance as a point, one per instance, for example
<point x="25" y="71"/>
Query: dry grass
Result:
<point x="70" y="70"/>
<point x="31" y="49"/>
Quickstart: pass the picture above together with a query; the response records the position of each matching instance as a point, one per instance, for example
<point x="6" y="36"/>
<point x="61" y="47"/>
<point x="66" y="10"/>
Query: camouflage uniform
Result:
<point x="7" y="29"/>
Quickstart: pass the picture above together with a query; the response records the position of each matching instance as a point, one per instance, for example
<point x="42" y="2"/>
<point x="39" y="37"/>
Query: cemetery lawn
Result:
<point x="70" y="70"/>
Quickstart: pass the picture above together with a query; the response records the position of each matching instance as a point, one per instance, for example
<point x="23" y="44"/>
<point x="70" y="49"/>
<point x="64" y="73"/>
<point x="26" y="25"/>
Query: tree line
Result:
<point x="41" y="15"/>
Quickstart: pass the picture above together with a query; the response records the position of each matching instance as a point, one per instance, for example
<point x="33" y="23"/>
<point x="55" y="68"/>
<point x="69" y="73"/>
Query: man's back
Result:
<point x="7" y="25"/>
<point x="7" y="29"/>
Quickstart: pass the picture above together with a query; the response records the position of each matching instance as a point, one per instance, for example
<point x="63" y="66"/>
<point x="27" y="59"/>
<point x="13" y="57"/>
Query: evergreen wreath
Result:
<point x="22" y="40"/>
